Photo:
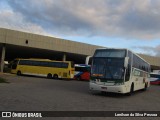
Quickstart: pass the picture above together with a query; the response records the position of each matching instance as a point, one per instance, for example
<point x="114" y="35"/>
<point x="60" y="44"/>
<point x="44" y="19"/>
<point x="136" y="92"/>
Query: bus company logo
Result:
<point x="6" y="114"/>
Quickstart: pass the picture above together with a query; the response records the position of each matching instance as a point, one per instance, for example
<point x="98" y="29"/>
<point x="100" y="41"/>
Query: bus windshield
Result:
<point x="108" y="64"/>
<point x="110" y="53"/>
<point x="108" y="68"/>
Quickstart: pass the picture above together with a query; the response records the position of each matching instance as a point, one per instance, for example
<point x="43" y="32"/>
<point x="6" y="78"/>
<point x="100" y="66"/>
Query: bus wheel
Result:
<point x="55" y="76"/>
<point x="103" y="92"/>
<point x="18" y="72"/>
<point x="145" y="87"/>
<point x="131" y="90"/>
<point x="49" y="76"/>
<point x="79" y="78"/>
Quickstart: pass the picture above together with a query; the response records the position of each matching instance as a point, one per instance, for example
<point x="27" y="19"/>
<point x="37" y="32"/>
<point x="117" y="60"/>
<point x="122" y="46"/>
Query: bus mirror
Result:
<point x="126" y="62"/>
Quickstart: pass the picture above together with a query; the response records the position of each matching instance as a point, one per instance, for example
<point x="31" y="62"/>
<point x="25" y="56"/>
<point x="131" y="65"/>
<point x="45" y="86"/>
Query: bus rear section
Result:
<point x="155" y="78"/>
<point x="82" y="72"/>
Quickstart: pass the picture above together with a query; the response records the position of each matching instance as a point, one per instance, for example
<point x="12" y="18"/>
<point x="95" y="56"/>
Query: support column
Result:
<point x="3" y="57"/>
<point x="64" y="57"/>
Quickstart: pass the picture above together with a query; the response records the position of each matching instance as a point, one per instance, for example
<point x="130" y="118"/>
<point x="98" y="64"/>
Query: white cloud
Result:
<point x="149" y="50"/>
<point x="12" y="20"/>
<point x="126" y="19"/>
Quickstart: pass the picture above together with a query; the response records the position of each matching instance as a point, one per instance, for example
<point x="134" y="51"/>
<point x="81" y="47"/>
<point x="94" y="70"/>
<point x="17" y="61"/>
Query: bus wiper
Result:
<point x="107" y="66"/>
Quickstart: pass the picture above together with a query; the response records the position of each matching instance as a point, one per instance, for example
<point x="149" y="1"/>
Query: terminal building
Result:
<point x="16" y="44"/>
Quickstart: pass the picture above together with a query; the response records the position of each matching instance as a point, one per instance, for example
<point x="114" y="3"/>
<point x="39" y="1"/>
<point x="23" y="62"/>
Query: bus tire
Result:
<point x="145" y="87"/>
<point x="55" y="76"/>
<point x="79" y="78"/>
<point x="103" y="92"/>
<point x="131" y="90"/>
<point x="19" y="72"/>
<point x="49" y="76"/>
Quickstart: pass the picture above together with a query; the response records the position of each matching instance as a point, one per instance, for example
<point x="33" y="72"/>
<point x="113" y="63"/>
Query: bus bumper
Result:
<point x="114" y="89"/>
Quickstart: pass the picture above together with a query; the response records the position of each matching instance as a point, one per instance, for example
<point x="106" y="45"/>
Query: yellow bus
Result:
<point x="43" y="67"/>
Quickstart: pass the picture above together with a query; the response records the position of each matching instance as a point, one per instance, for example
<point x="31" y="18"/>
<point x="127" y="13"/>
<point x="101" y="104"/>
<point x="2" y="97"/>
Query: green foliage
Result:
<point x="2" y="80"/>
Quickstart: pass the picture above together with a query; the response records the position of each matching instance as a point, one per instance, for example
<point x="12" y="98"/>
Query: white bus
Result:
<point x="119" y="71"/>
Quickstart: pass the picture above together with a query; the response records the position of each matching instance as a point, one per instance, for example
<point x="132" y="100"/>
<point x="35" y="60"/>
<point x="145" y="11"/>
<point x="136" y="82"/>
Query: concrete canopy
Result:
<point x="26" y="45"/>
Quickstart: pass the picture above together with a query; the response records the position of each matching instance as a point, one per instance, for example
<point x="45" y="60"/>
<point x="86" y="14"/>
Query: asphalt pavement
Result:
<point x="28" y="93"/>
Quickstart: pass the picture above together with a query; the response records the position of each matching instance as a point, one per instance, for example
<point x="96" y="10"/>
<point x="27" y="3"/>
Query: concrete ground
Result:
<point x="26" y="93"/>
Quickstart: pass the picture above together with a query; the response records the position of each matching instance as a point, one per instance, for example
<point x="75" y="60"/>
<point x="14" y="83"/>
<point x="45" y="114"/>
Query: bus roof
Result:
<point x="40" y="59"/>
<point x="123" y="49"/>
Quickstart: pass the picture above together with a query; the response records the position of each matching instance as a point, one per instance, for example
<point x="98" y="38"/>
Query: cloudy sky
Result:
<point x="132" y="24"/>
